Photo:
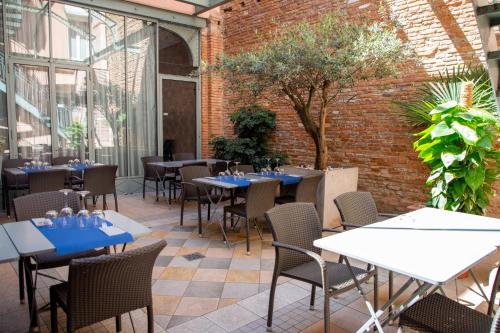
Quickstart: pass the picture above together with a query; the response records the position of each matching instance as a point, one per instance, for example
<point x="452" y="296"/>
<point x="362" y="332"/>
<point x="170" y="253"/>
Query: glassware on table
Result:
<point x="98" y="218"/>
<point x="67" y="210"/>
<point x="83" y="214"/>
<point x="268" y="167"/>
<point x="27" y="165"/>
<point x="51" y="215"/>
<point x="227" y="172"/>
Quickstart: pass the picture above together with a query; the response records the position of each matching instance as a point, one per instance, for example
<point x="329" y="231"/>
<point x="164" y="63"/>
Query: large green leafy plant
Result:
<point x="459" y="147"/>
<point x="252" y="126"/>
<point x="313" y="66"/>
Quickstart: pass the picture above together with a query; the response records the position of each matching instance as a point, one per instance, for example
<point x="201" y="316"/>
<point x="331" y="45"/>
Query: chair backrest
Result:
<point x="107" y="286"/>
<point x="220" y="166"/>
<point x="294" y="224"/>
<point x="183" y="156"/>
<point x="260" y="197"/>
<point x="246" y="168"/>
<point x="62" y="160"/>
<point x="14" y="163"/>
<point x="495" y="285"/>
<point x="357" y="208"/>
<point x="46" y="180"/>
<point x="150" y="171"/>
<point x="36" y="205"/>
<point x="188" y="173"/>
<point x="307" y="188"/>
<point x="495" y="324"/>
<point x="100" y="179"/>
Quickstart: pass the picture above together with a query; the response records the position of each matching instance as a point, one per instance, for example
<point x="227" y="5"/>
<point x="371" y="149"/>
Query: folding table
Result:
<point x="8" y="251"/>
<point x="29" y="241"/>
<point x="429" y="246"/>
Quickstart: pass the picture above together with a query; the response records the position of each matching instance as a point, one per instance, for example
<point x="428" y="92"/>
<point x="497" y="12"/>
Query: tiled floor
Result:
<point x="219" y="290"/>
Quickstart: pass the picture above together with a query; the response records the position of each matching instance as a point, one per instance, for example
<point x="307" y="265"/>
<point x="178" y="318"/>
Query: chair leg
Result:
<point x="375" y="290"/>
<point x="118" y="322"/>
<point x="156" y="182"/>
<point x="208" y="212"/>
<point x="224" y="221"/>
<point x="326" y="311"/>
<point x="144" y="188"/>
<point x="104" y="204"/>
<point x="182" y="211"/>
<point x="170" y="192"/>
<point x="53" y="314"/>
<point x="21" y="281"/>
<point x="313" y="297"/>
<point x="248" y="237"/>
<point x="163" y="189"/>
<point x="258" y="229"/>
<point x="116" y="201"/>
<point x="199" y="219"/>
<point x="274" y="281"/>
<point x="149" y="311"/>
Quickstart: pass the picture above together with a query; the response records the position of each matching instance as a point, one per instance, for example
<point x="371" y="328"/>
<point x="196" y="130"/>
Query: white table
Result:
<point x="428" y="245"/>
<point x="8" y="251"/>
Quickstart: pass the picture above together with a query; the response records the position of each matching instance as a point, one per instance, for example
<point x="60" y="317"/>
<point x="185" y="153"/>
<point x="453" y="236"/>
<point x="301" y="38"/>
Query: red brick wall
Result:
<point x="363" y="133"/>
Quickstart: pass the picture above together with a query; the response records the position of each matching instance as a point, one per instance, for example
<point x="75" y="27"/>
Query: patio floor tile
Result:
<point x="165" y="305"/>
<point x="170" y="287"/>
<point x="199" y="325"/>
<point x="210" y="275"/>
<point x="232" y="317"/>
<point x="239" y="290"/>
<point x="240" y="275"/>
<point x="196" y="306"/>
<point x="250" y="263"/>
<point x="204" y="289"/>
<point x="220" y="263"/>
<point x="178" y="273"/>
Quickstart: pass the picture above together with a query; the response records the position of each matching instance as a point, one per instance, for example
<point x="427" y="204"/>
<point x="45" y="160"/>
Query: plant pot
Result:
<point x="334" y="183"/>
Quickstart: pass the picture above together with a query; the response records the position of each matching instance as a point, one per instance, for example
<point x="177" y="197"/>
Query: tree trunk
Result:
<point x="321" y="161"/>
<point x="317" y="133"/>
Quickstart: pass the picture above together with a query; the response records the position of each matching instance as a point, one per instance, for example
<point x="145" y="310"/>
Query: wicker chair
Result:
<point x="260" y="198"/>
<point x="106" y="287"/>
<point x="294" y="227"/>
<point x="183" y="156"/>
<point x="74" y="178"/>
<point x="358" y="209"/>
<point x="46" y="180"/>
<point x="438" y="313"/>
<point x="193" y="192"/>
<point x="36" y="205"/>
<point x="100" y="180"/>
<point x="305" y="191"/>
<point x="155" y="174"/>
<point x="12" y="183"/>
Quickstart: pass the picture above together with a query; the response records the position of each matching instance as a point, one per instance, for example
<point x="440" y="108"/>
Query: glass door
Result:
<point x="71" y="112"/>
<point x="32" y="112"/>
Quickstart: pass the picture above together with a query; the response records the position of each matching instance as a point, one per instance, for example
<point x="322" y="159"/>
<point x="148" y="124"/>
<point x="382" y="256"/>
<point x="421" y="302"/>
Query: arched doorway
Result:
<point x="179" y="92"/>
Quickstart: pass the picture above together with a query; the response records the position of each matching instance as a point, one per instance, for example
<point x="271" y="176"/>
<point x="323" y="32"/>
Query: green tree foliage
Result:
<point x="444" y="88"/>
<point x="253" y="126"/>
<point x="459" y="147"/>
<point x="313" y="65"/>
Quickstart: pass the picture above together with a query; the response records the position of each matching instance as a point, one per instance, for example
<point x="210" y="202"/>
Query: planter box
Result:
<point x="334" y="183"/>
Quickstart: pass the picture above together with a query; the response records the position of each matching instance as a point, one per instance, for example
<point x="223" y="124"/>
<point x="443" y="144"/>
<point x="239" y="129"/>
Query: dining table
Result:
<point x="24" y="240"/>
<point x="429" y="246"/>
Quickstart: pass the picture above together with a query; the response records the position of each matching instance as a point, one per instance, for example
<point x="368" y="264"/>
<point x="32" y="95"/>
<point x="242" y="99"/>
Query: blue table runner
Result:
<point x="240" y="182"/>
<point x="27" y="170"/>
<point x="72" y="235"/>
<point x="284" y="178"/>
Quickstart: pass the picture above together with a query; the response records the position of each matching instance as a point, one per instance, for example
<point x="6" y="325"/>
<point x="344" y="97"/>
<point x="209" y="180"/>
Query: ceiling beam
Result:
<point x="213" y="4"/>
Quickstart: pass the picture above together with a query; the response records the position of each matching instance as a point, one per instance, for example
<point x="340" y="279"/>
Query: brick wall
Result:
<point x="363" y="133"/>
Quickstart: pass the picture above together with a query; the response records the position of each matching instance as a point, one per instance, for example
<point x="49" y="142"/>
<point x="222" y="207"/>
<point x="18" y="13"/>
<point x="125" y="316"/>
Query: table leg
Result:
<point x="31" y="292"/>
<point x="232" y="204"/>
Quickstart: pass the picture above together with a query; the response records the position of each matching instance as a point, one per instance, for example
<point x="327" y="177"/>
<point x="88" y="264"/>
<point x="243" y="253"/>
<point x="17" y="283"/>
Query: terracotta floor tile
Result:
<point x="178" y="273"/>
<point x="241" y="252"/>
<point x="266" y="276"/>
<point x="210" y="274"/>
<point x="157" y="271"/>
<point x="165" y="305"/>
<point x="158" y="234"/>
<point x="188" y="250"/>
<point x="219" y="253"/>
<point x="196" y="306"/>
<point x="227" y="301"/>
<point x="268" y="253"/>
<point x="169" y="251"/>
<point x="240" y="275"/>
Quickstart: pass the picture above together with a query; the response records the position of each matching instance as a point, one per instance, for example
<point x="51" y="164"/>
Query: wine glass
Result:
<point x="98" y="218"/>
<point x="83" y="214"/>
<point x="66" y="211"/>
<point x="268" y="168"/>
<point x="228" y="172"/>
<point x="277" y="168"/>
<point x="236" y="168"/>
<point x="51" y="215"/>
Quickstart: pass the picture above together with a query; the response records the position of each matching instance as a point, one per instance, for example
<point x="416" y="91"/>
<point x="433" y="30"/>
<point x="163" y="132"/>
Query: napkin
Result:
<point x="112" y="230"/>
<point x="294" y="175"/>
<point x="42" y="222"/>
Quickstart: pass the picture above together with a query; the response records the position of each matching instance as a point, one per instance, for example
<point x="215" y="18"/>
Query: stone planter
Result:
<point x="334" y="183"/>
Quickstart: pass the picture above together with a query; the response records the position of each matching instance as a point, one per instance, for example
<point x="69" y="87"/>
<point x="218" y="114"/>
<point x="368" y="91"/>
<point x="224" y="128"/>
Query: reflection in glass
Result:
<point x="33" y="112"/>
<point x="141" y="92"/>
<point x="28" y="33"/>
<point x="108" y="73"/>
<point x="71" y="102"/>
<point x="4" y="130"/>
<point x="174" y="55"/>
<point x="70" y="32"/>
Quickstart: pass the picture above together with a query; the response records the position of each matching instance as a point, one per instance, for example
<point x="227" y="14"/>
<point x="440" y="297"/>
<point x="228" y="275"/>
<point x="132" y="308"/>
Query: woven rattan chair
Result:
<point x="438" y="313"/>
<point x="305" y="191"/>
<point x="11" y="182"/>
<point x="155" y="174"/>
<point x="100" y="180"/>
<point x="183" y="156"/>
<point x="46" y="180"/>
<point x="106" y="287"/>
<point x="36" y="205"/>
<point x="194" y="192"/>
<point x="294" y="227"/>
<point x="259" y="199"/>
<point x="358" y="209"/>
<point x="74" y="178"/>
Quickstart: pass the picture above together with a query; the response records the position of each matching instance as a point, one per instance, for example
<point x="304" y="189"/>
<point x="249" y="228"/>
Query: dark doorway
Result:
<point x="179" y="115"/>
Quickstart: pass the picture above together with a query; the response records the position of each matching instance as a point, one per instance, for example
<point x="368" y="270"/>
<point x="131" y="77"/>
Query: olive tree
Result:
<point x="314" y="66"/>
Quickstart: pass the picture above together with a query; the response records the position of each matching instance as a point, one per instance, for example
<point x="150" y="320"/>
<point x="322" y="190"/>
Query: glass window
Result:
<point x="71" y="104"/>
<point x="70" y="32"/>
<point x="33" y="112"/>
<point x="173" y="54"/>
<point x="28" y="27"/>
<point x="141" y="92"/>
<point x="108" y="72"/>
<point x="4" y="130"/>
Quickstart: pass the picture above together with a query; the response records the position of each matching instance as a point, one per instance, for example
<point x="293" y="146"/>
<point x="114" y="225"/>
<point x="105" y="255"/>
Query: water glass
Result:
<point x="98" y="218"/>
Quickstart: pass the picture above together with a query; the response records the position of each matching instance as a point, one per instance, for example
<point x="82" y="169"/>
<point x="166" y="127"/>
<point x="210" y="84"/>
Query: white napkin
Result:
<point x="42" y="222"/>
<point x="112" y="230"/>
<point x="294" y="175"/>
<point x="211" y="178"/>
<point x="252" y="179"/>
